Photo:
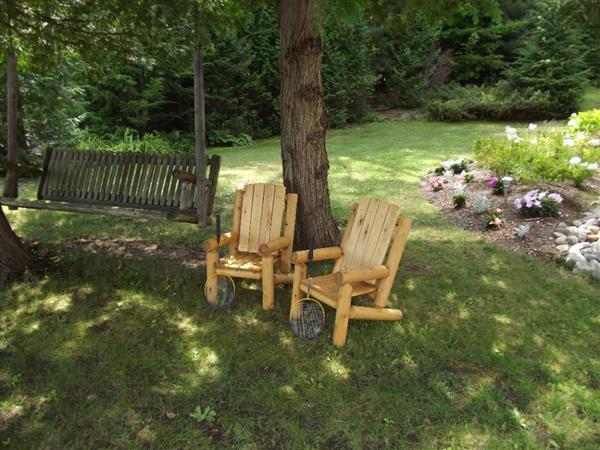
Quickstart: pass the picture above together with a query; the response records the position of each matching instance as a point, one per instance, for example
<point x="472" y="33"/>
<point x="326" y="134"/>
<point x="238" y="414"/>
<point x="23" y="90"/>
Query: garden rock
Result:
<point x="580" y="243"/>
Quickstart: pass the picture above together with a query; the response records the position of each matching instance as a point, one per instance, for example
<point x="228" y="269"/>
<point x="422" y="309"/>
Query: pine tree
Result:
<point x="552" y="61"/>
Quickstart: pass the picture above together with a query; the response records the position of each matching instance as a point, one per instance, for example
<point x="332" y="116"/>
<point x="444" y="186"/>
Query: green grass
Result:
<point x="496" y="350"/>
<point x="591" y="99"/>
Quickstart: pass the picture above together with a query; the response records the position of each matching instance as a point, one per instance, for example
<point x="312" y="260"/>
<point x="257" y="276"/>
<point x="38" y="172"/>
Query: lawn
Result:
<point x="496" y="350"/>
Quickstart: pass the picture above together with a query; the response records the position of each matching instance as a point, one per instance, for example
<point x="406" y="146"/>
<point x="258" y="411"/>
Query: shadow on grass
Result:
<point x="104" y="349"/>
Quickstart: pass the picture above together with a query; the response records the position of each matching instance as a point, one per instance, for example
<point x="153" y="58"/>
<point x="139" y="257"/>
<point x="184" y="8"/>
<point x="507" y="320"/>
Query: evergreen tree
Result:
<point x="552" y="61"/>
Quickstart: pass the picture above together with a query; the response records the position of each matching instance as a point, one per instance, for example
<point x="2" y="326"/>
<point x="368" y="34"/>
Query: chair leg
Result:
<point x="299" y="275"/>
<point x="268" y="283"/>
<point x="212" y="258"/>
<point x="342" y="315"/>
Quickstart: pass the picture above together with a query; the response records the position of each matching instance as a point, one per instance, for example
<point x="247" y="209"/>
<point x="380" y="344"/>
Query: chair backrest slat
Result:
<point x="261" y="217"/>
<point x="369" y="234"/>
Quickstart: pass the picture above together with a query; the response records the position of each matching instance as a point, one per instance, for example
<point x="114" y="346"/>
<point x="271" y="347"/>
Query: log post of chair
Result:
<point x="370" y="313"/>
<point x="285" y="260"/>
<point x="342" y="315"/>
<point x="299" y="276"/>
<point x="268" y="283"/>
<point x="212" y="259"/>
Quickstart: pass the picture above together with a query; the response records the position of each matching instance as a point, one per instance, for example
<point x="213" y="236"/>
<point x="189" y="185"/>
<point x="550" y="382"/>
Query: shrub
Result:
<point x="128" y="140"/>
<point x="481" y="203"/>
<point x="548" y="154"/>
<point x="495" y="218"/>
<point x="496" y="185"/>
<point x="436" y="185"/>
<point x="469" y="177"/>
<point x="538" y="203"/>
<point x="459" y="200"/>
<point x="457" y="103"/>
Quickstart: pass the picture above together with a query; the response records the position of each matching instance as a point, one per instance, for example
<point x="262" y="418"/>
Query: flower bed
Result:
<point x="523" y="221"/>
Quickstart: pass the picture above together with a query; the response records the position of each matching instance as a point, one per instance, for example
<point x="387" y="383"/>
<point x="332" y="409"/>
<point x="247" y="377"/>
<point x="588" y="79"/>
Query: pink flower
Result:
<point x="499" y="211"/>
<point x="498" y="222"/>
<point x="492" y="181"/>
<point x="556" y="197"/>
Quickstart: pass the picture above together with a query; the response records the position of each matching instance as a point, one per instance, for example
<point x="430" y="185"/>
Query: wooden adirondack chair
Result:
<point x="359" y="268"/>
<point x="257" y="241"/>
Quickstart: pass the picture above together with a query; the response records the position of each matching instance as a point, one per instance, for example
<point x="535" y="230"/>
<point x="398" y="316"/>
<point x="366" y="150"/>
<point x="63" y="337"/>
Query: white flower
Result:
<point x="532" y="126"/>
<point x="580" y="136"/>
<point x="510" y="130"/>
<point x="533" y="141"/>
<point x="572" y="123"/>
<point x="517" y="139"/>
<point x="594" y="142"/>
<point x="575" y="160"/>
<point x="568" y="142"/>
<point x="592" y="166"/>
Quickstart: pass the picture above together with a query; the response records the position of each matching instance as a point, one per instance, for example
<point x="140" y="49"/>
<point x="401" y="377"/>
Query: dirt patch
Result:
<point x="137" y="248"/>
<point x="539" y="242"/>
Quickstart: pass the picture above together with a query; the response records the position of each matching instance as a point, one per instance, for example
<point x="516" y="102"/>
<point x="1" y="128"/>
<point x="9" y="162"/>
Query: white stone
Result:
<point x="573" y="240"/>
<point x="559" y="235"/>
<point x="578" y="223"/>
<point x="561" y="240"/>
<point x="575" y="257"/>
<point x="595" y="269"/>
<point x="582" y="267"/>
<point x="562" y="248"/>
<point x="573" y="230"/>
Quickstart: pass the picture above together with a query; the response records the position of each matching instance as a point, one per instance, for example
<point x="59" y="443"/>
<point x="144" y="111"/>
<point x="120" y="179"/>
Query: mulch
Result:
<point x="539" y="242"/>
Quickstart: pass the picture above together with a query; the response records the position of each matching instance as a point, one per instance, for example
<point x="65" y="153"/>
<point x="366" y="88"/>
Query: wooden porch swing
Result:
<point x="123" y="184"/>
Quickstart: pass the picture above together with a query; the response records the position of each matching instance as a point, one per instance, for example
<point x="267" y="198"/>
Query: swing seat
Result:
<point x="375" y="229"/>
<point x="259" y="241"/>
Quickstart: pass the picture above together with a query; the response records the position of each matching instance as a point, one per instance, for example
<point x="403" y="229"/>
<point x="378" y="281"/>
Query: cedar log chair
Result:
<point x="257" y="240"/>
<point x="359" y="268"/>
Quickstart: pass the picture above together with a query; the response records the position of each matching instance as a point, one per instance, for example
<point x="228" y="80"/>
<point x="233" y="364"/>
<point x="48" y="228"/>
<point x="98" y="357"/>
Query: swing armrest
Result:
<point x="354" y="276"/>
<point x="211" y="244"/>
<point x="274" y="245"/>
<point x="319" y="254"/>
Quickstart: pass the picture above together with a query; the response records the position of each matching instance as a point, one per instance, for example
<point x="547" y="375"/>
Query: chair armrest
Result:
<point x="319" y="254"/>
<point x="354" y="276"/>
<point x="274" y="245"/>
<point x="211" y="244"/>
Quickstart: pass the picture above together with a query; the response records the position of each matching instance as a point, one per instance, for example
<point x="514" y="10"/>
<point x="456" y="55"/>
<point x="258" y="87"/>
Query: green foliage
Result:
<point x="129" y="140"/>
<point x="552" y="61"/>
<point x="483" y="43"/>
<point x="454" y="102"/>
<point x="348" y="77"/>
<point x="459" y="200"/>
<point x="406" y="60"/>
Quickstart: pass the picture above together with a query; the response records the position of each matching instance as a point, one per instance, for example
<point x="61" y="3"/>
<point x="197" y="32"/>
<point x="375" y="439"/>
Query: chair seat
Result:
<point x="325" y="285"/>
<point x="242" y="261"/>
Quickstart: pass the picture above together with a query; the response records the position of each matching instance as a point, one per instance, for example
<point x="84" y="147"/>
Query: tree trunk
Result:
<point x="13" y="257"/>
<point x="11" y="182"/>
<point x="304" y="121"/>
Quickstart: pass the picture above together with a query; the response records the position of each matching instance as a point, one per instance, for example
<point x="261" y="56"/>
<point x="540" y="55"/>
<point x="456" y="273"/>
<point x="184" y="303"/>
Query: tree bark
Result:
<point x="13" y="257"/>
<point x="304" y="122"/>
<point x="11" y="181"/>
